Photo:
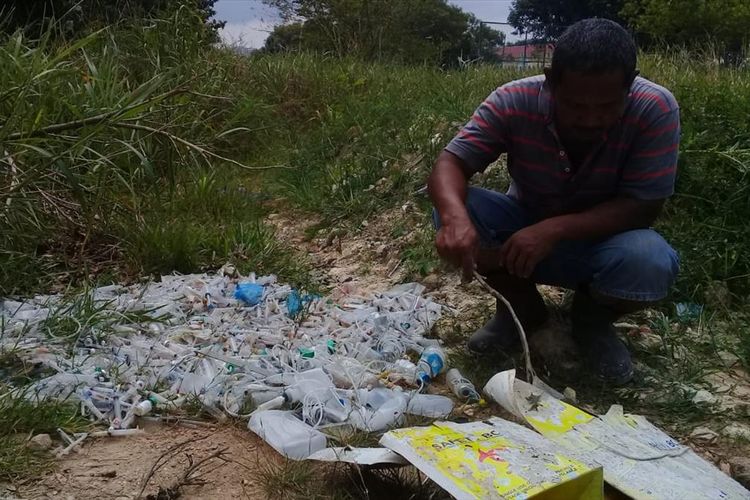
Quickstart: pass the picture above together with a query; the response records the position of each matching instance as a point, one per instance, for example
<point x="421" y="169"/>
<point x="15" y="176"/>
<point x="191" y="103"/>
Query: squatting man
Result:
<point x="592" y="153"/>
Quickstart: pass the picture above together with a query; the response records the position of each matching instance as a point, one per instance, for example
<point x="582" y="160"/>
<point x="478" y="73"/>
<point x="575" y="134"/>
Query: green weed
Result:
<point x="19" y="420"/>
<point x="420" y="257"/>
<point x="305" y="480"/>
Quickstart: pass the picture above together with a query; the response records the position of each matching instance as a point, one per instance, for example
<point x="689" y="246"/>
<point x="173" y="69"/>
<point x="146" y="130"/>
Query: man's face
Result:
<point x="587" y="105"/>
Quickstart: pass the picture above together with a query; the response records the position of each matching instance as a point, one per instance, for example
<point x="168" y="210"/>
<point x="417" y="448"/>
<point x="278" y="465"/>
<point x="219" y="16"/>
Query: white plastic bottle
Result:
<point x="460" y="386"/>
<point x="429" y="405"/>
<point x="431" y="364"/>
<point x="143" y="408"/>
<point x="377" y="410"/>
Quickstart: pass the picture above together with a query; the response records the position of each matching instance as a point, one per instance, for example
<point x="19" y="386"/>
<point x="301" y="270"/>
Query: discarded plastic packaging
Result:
<point x="249" y="293"/>
<point x="638" y="458"/>
<point x="377" y="410"/>
<point x="229" y="344"/>
<point x="286" y="434"/>
<point x="143" y="408"/>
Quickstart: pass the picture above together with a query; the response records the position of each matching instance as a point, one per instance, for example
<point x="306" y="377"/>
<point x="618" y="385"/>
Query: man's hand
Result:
<point x="526" y="248"/>
<point x="457" y="243"/>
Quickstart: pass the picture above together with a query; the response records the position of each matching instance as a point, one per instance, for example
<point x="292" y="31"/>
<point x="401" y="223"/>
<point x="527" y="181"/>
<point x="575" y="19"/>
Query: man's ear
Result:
<point x="549" y="76"/>
<point x="635" y="75"/>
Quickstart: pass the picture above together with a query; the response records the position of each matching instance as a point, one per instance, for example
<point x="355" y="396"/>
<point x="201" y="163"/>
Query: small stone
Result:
<point x="382" y="251"/>
<point x="725" y="467"/>
<point x="741" y="470"/>
<point x="722" y="389"/>
<point x="228" y="270"/>
<point x="737" y="431"/>
<point x="703" y="397"/>
<point x="729" y="359"/>
<point x="646" y="340"/>
<point x="570" y="395"/>
<point x="717" y="295"/>
<point x="704" y="435"/>
<point x="431" y="281"/>
<point x="40" y="442"/>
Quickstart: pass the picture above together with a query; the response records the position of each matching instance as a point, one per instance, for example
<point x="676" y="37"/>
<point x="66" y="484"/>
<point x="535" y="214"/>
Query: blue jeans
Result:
<point x="635" y="265"/>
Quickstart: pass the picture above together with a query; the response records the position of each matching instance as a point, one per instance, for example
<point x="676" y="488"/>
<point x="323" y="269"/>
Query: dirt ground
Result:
<point x="367" y="261"/>
<point x="117" y="467"/>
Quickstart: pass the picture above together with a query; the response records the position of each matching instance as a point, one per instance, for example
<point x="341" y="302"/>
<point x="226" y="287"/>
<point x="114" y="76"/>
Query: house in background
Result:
<point x="532" y="54"/>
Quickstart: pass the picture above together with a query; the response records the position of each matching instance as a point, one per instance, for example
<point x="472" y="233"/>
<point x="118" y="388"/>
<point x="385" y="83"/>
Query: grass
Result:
<point x="19" y="420"/>
<point x="306" y="480"/>
<point x="124" y="173"/>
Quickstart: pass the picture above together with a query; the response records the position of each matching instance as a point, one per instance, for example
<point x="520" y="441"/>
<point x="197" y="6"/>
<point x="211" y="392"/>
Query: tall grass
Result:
<point x="708" y="218"/>
<point x="112" y="157"/>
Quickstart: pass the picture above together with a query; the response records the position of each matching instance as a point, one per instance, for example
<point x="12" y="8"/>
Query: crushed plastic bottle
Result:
<point x="377" y="410"/>
<point x="431" y="364"/>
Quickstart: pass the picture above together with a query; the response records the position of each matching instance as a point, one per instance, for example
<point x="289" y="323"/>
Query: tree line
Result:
<point x="722" y="24"/>
<point x="416" y="31"/>
<point x="74" y="18"/>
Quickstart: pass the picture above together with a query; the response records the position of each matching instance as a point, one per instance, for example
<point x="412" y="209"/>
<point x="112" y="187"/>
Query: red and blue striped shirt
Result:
<point x="637" y="159"/>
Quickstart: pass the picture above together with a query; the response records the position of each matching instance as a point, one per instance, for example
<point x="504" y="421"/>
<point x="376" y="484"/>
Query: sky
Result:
<point x="250" y="21"/>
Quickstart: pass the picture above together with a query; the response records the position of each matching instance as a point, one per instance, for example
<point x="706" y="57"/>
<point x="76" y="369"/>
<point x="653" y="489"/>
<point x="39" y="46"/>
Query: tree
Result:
<point x="547" y="19"/>
<point x="78" y="14"/>
<point x="413" y="31"/>
<point x="691" y="22"/>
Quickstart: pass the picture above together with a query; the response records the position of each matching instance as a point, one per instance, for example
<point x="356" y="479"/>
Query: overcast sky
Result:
<point x="250" y="21"/>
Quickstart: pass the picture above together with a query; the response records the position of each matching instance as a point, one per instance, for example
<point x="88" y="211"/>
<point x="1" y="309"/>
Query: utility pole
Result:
<point x="506" y="23"/>
<point x="525" y="40"/>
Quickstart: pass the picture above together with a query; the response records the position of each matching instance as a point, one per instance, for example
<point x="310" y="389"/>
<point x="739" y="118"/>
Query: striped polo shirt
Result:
<point x="637" y="157"/>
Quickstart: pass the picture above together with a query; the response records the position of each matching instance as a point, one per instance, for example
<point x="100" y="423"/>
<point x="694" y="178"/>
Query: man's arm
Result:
<point x="526" y="248"/>
<point x="457" y="239"/>
<point x="476" y="145"/>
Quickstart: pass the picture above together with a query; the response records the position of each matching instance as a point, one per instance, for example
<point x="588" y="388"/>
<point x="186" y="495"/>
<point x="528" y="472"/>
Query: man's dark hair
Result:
<point x="594" y="46"/>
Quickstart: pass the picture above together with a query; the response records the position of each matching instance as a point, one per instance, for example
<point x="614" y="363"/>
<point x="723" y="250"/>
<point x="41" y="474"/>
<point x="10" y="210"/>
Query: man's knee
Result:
<point x="640" y="266"/>
<point x="650" y="254"/>
<point x="494" y="215"/>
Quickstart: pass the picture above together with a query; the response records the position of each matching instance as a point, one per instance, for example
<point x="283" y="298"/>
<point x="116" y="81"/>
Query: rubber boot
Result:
<point x="606" y="355"/>
<point x="501" y="332"/>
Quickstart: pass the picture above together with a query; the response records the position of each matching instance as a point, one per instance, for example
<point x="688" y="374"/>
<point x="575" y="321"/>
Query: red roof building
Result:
<point x="538" y="53"/>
